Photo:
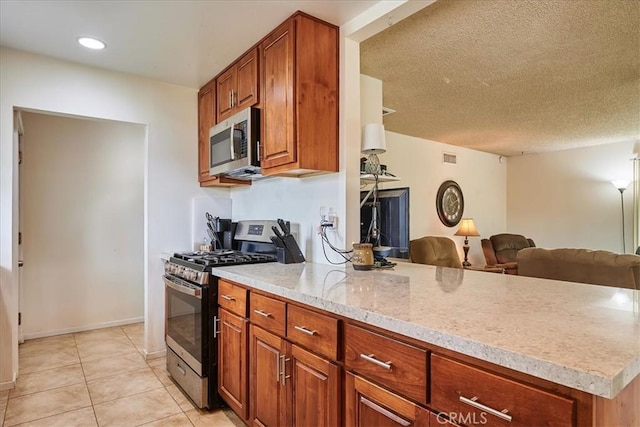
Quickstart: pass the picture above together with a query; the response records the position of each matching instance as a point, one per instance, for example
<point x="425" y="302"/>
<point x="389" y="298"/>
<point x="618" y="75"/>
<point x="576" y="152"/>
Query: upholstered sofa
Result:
<point x="581" y="265"/>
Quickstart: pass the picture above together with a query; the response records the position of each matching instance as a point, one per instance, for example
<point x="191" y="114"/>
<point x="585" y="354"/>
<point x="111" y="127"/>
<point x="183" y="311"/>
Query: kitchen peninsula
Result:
<point x="467" y="343"/>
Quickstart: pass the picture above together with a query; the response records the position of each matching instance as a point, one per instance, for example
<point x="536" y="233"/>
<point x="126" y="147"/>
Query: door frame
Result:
<point x="18" y="131"/>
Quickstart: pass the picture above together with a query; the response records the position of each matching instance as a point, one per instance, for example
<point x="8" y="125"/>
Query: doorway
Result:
<point x="81" y="221"/>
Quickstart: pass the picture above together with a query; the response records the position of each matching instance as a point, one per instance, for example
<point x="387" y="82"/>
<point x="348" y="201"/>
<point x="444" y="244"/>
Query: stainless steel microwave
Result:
<point x="234" y="146"/>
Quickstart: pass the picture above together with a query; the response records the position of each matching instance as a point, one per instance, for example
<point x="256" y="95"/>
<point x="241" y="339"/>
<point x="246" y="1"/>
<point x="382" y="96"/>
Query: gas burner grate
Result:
<point x="224" y="257"/>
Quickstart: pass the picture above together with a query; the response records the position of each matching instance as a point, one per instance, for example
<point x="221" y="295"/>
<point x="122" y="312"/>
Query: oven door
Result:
<point x="186" y="328"/>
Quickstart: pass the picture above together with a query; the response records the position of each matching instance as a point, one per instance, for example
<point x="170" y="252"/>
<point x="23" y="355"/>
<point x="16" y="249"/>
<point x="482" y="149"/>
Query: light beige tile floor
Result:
<point x="99" y="378"/>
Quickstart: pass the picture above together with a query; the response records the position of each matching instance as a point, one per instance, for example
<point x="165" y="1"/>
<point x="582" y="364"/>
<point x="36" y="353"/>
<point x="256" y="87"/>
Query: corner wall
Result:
<point x="481" y="176"/>
<point x="34" y="82"/>
<point x="565" y="199"/>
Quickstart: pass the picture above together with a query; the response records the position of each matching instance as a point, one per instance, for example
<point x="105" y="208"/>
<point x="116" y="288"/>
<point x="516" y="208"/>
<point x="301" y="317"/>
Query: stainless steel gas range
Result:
<point x="191" y="311"/>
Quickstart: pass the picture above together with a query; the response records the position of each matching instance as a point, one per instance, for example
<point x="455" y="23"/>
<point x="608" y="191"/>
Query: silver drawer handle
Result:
<point x="181" y="369"/>
<point x="305" y="330"/>
<point x="372" y="358"/>
<point x="474" y="402"/>
<point x="227" y="297"/>
<point x="262" y="313"/>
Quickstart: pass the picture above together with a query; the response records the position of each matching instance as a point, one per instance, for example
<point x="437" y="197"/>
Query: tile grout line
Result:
<point x="86" y="383"/>
<point x="45" y="391"/>
<point x="172" y="397"/>
<point x="159" y="371"/>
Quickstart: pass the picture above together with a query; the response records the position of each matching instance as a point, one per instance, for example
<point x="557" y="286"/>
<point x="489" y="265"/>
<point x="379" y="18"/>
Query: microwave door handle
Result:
<point x="233" y="154"/>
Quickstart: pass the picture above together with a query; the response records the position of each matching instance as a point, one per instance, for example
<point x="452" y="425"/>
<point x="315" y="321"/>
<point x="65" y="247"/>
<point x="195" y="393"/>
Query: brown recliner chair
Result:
<point x="500" y="250"/>
<point x="439" y="251"/>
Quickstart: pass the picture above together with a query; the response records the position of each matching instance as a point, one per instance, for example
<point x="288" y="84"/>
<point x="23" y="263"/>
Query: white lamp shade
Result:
<point x="620" y="184"/>
<point x="373" y="139"/>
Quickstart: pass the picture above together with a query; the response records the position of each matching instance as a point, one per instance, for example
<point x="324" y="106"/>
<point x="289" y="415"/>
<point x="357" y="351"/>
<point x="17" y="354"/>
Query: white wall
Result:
<point x="481" y="176"/>
<point x="81" y="217"/>
<point x="418" y="164"/>
<point x="170" y="113"/>
<point x="295" y="199"/>
<point x="565" y="198"/>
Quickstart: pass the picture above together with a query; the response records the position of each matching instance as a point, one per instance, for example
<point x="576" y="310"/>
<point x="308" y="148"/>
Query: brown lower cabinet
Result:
<point x="268" y="395"/>
<point x="370" y="405"/>
<point x="291" y="386"/>
<point x="292" y="365"/>
<point x="232" y="362"/>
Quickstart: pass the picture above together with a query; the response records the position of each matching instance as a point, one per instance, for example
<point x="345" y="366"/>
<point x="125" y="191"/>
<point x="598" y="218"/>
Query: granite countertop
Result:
<point x="585" y="337"/>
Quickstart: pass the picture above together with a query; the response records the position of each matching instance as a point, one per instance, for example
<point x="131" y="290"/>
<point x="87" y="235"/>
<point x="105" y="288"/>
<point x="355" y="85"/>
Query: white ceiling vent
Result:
<point x="449" y="158"/>
<point x="386" y="111"/>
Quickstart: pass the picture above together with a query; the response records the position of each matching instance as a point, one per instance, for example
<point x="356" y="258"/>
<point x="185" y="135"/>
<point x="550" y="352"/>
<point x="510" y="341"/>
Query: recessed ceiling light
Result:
<point x="91" y="43"/>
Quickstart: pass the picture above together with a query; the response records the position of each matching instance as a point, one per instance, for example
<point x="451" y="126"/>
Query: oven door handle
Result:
<point x="175" y="284"/>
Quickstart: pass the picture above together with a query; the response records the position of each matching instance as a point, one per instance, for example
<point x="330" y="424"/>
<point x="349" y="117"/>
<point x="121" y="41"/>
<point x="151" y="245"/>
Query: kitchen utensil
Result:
<point x="284" y="226"/>
<point x="213" y="231"/>
<point x="277" y="241"/>
<point x="288" y="251"/>
<point x="289" y="241"/>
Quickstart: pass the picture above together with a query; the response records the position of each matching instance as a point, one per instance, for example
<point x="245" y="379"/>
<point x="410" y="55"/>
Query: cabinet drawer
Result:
<point x="396" y="365"/>
<point x="314" y="331"/>
<point x="477" y="394"/>
<point x="232" y="297"/>
<point x="268" y="313"/>
<point x="189" y="380"/>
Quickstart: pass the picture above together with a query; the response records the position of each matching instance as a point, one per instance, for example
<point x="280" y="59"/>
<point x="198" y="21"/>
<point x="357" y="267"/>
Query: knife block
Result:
<point x="284" y="257"/>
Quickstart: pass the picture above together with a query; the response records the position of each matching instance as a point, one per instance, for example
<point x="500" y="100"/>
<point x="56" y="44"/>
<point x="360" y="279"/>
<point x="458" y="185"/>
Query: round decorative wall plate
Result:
<point x="450" y="203"/>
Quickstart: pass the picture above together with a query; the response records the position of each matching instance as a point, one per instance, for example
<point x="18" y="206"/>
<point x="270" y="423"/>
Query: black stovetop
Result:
<point x="221" y="258"/>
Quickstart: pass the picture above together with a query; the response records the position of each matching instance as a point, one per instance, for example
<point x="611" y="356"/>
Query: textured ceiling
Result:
<point x="512" y="77"/>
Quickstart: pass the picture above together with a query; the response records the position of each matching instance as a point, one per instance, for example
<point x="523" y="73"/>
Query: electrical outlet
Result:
<point x="328" y="219"/>
<point x="333" y="219"/>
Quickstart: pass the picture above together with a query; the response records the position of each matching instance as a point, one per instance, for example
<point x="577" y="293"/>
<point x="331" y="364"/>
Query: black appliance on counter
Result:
<point x="191" y="310"/>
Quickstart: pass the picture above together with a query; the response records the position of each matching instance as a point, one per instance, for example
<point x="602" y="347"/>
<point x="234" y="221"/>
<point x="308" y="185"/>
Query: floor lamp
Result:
<point x="622" y="185"/>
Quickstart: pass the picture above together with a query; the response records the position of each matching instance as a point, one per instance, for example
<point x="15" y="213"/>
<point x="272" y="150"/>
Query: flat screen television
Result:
<point x="393" y="220"/>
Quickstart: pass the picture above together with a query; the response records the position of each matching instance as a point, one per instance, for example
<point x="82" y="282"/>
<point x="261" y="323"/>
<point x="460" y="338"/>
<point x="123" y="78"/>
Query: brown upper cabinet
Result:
<point x="206" y="119"/>
<point x="292" y="76"/>
<point x="299" y="98"/>
<point x="237" y="87"/>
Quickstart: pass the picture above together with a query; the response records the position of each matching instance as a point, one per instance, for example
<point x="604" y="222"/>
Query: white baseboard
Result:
<point x="155" y="354"/>
<point x="8" y="385"/>
<point x="83" y="328"/>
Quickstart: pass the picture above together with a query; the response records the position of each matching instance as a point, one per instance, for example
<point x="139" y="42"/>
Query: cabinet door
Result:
<point x="315" y="390"/>
<point x="369" y="405"/>
<point x="232" y="362"/>
<point x="268" y="393"/>
<point x="278" y="110"/>
<point x="206" y="119"/>
<point x="246" y="93"/>
<point x="225" y="85"/>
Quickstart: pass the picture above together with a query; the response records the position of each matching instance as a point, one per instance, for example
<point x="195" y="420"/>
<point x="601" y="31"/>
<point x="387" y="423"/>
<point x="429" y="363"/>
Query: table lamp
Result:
<point x="467" y="228"/>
